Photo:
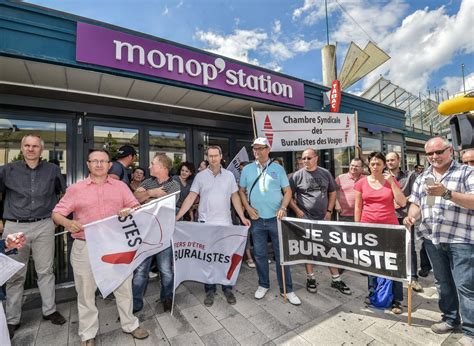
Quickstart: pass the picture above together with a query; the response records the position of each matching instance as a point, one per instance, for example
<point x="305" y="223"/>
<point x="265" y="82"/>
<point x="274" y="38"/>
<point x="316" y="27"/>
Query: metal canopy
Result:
<point x="74" y="80"/>
<point x="421" y="112"/>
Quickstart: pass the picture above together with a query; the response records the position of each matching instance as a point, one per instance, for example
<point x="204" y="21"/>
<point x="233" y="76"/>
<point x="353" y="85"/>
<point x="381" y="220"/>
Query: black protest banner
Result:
<point x="369" y="248"/>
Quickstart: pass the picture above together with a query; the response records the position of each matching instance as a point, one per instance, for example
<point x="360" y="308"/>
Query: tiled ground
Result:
<point x="325" y="318"/>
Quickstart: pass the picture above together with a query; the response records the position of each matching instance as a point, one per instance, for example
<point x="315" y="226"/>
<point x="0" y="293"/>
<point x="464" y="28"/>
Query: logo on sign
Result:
<point x="335" y="96"/>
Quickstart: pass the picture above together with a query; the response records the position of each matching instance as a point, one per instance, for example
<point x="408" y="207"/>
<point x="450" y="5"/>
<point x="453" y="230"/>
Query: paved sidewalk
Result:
<point x="325" y="318"/>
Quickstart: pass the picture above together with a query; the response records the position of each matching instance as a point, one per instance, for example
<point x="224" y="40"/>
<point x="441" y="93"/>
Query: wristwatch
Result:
<point x="447" y="195"/>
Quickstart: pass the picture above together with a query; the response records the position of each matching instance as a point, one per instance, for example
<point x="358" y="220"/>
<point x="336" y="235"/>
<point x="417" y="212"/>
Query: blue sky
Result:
<point x="427" y="40"/>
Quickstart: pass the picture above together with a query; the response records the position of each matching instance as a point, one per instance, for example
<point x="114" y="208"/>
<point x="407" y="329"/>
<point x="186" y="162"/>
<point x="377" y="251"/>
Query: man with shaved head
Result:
<point x="447" y="225"/>
<point x="314" y="198"/>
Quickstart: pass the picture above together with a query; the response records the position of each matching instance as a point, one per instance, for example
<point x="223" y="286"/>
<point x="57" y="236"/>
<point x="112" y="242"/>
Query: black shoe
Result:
<point x="341" y="286"/>
<point x="209" y="299"/>
<point x="311" y="285"/>
<point x="55" y="318"/>
<point x="230" y="297"/>
<point x="12" y="328"/>
<point x="167" y="304"/>
<point x="423" y="272"/>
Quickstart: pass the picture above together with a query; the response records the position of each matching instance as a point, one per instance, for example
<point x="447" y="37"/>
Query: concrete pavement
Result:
<point x="325" y="318"/>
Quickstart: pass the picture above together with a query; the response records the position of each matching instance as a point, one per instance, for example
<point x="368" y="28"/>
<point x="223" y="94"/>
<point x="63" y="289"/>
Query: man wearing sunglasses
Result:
<point x="314" y="192"/>
<point x="447" y="225"/>
<point x="468" y="157"/>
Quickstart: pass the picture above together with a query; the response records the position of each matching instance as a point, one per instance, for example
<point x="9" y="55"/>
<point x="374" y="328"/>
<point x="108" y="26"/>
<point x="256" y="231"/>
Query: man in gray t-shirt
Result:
<point x="314" y="197"/>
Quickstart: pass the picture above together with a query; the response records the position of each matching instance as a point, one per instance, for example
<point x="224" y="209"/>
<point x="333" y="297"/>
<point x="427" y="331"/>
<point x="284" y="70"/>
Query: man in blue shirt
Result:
<point x="261" y="184"/>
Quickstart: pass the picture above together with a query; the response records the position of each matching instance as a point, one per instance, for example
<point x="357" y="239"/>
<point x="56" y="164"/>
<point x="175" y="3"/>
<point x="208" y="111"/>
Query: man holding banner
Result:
<point x="95" y="198"/>
<point x="261" y="185"/>
<point x="314" y="190"/>
<point x="216" y="188"/>
<point x="159" y="185"/>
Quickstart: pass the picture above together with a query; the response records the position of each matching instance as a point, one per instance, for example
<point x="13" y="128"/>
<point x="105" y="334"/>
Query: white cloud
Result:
<point x="425" y="42"/>
<point x="313" y="10"/>
<point x="237" y="45"/>
<point x="179" y="4"/>
<point x="454" y="84"/>
<point x="302" y="46"/>
<point x="165" y="11"/>
<point x="276" y="27"/>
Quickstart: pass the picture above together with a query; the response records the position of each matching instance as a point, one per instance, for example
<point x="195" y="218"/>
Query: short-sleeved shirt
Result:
<point x="119" y="170"/>
<point x="311" y="191"/>
<point x="445" y="221"/>
<point x="169" y="185"/>
<point x="377" y="204"/>
<point x="91" y="202"/>
<point x="345" y="183"/>
<point x="215" y="193"/>
<point x="266" y="196"/>
<point x="30" y="193"/>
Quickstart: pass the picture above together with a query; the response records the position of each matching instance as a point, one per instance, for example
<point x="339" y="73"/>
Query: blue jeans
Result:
<point x="453" y="268"/>
<point x="164" y="261"/>
<point x="261" y="229"/>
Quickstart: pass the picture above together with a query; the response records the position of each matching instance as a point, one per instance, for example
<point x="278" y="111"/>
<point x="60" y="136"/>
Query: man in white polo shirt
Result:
<point x="216" y="188"/>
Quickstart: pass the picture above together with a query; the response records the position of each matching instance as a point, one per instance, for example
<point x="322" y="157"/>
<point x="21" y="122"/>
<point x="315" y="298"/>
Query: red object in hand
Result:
<point x="236" y="259"/>
<point x="120" y="258"/>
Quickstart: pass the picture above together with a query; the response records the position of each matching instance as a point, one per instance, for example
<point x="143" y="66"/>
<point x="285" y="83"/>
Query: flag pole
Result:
<point x="282" y="267"/>
<point x="409" y="302"/>
<point x="254" y="125"/>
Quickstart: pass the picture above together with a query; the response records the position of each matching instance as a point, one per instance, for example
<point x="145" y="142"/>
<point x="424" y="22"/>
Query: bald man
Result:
<point x="468" y="157"/>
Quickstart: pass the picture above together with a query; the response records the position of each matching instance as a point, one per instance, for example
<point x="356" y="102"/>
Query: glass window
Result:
<point x="370" y="144"/>
<point x="173" y="144"/>
<point x="112" y="138"/>
<point x="52" y="133"/>
<point x="342" y="160"/>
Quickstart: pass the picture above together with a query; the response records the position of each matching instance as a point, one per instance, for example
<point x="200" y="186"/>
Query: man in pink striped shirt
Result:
<point x="345" y="193"/>
<point x="95" y="198"/>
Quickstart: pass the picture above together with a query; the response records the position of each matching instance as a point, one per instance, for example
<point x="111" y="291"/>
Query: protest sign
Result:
<point x="381" y="250"/>
<point x="117" y="245"/>
<point x="234" y="165"/>
<point x="208" y="253"/>
<point x="296" y="131"/>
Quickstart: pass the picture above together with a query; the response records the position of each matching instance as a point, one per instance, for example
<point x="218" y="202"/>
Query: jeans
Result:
<point x="453" y="268"/>
<point x="164" y="261"/>
<point x="261" y="229"/>
<point x="397" y="288"/>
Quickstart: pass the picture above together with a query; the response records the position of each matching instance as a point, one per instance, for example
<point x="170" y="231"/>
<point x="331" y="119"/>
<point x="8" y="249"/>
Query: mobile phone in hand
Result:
<point x="430" y="200"/>
<point x="429" y="181"/>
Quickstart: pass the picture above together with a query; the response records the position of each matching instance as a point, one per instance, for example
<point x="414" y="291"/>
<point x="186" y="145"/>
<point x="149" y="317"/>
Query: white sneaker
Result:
<point x="292" y="298"/>
<point x="260" y="292"/>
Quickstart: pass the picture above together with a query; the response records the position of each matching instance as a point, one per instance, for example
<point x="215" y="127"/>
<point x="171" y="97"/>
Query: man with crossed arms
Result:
<point x="216" y="188"/>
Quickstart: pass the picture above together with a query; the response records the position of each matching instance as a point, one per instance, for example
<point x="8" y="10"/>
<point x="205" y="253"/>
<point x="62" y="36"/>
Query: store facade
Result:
<point x="82" y="84"/>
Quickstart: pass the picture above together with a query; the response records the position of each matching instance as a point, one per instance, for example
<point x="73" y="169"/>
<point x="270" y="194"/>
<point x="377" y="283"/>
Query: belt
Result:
<point x="27" y="221"/>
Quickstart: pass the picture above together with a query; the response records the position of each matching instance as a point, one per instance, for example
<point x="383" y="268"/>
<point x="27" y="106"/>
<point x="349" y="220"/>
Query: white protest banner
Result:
<point x="208" y="253"/>
<point x="296" y="131"/>
<point x="9" y="268"/>
<point x="234" y="165"/>
<point x="117" y="245"/>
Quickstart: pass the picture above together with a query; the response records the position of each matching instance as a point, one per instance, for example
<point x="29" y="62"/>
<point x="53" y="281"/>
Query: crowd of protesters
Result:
<point x="436" y="203"/>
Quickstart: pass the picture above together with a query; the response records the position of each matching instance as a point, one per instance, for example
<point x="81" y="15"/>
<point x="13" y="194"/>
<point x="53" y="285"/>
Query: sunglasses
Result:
<point x="468" y="162"/>
<point x="437" y="152"/>
<point x="307" y="158"/>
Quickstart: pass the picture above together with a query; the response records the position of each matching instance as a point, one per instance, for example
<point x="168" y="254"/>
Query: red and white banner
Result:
<point x="297" y="131"/>
<point x="117" y="245"/>
<point x="335" y="96"/>
<point x="208" y="253"/>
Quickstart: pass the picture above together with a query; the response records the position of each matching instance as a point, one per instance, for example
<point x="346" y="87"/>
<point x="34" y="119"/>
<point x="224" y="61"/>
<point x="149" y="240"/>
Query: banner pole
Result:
<point x="284" y="281"/>
<point x="254" y="125"/>
<point x="409" y="303"/>
<point x="356" y="124"/>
